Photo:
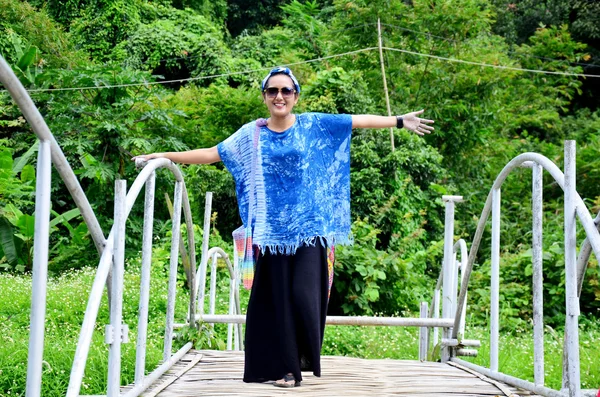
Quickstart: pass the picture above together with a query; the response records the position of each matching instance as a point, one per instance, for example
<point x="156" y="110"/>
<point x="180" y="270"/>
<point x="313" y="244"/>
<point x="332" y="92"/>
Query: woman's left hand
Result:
<point x="414" y="123"/>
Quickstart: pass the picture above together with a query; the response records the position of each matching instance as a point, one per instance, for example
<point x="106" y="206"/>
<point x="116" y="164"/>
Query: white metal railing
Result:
<point x="574" y="267"/>
<point x="111" y="260"/>
<point x="116" y="331"/>
<point x="434" y="311"/>
<point x="453" y="308"/>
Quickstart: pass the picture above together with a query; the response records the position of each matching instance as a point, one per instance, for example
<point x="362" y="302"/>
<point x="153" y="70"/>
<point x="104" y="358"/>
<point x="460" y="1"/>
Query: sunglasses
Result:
<point x="286" y="92"/>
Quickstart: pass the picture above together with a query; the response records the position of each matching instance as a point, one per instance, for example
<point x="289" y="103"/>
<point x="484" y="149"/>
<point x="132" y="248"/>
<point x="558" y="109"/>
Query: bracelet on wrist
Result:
<point x="399" y="122"/>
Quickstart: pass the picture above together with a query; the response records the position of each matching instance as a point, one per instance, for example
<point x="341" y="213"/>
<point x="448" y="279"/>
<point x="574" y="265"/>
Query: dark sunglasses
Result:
<point x="286" y="92"/>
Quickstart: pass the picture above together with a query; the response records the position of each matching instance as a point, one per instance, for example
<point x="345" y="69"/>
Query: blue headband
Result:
<point x="281" y="70"/>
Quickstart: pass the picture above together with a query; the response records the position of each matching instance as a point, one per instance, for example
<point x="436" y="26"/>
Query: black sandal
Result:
<point x="288" y="380"/>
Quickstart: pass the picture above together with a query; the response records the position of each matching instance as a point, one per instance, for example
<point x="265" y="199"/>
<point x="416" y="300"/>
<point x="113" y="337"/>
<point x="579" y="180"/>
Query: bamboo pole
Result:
<point x="387" y="97"/>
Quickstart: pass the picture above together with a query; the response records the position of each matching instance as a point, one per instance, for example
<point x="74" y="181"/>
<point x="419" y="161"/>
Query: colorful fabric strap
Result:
<point x="248" y="255"/>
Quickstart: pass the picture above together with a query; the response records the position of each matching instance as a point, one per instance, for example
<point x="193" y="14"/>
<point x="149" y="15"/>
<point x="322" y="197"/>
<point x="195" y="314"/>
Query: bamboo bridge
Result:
<point x="189" y="372"/>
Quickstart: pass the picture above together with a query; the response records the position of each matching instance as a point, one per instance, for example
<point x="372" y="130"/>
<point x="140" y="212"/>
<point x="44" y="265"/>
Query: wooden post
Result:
<point x="387" y="97"/>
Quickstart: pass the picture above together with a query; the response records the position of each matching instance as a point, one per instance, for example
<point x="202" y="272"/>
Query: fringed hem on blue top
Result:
<point x="290" y="248"/>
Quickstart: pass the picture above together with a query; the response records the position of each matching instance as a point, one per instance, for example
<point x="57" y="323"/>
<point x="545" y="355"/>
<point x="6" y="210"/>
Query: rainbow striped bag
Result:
<point x="246" y="253"/>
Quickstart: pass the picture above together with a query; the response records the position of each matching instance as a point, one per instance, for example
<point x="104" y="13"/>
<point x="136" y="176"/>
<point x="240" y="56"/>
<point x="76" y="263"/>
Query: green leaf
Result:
<point x="6" y="161"/>
<point x="26" y="224"/>
<point x="27" y="59"/>
<point x="28" y="173"/>
<point x="372" y="294"/>
<point x="12" y="214"/>
<point x="20" y="162"/>
<point x="7" y="241"/>
<point x="65" y="217"/>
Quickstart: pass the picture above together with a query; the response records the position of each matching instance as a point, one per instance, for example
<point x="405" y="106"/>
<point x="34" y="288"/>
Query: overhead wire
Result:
<point x="441" y="58"/>
<point x="149" y="83"/>
<point x="541" y="71"/>
<point x="511" y="51"/>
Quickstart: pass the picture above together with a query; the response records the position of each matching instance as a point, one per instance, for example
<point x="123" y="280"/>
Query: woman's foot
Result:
<point x="288" y="380"/>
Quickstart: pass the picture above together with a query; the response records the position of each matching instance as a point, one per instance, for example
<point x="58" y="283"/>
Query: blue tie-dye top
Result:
<point x="302" y="181"/>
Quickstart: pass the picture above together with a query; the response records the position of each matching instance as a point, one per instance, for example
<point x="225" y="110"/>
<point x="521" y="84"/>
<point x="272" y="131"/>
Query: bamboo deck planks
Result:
<point x="219" y="373"/>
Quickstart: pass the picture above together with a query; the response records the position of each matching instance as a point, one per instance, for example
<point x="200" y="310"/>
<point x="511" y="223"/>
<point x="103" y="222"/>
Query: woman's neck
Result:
<point x="280" y="124"/>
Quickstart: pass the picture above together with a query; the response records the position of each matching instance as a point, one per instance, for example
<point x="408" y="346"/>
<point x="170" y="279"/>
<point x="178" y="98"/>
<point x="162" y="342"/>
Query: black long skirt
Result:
<point x="285" y="321"/>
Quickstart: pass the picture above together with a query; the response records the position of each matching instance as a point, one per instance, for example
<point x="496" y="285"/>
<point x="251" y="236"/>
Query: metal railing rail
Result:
<point x="111" y="252"/>
<point x="115" y="331"/>
<point x="575" y="270"/>
<point x="457" y="274"/>
<point x="112" y="257"/>
<point x="234" y="298"/>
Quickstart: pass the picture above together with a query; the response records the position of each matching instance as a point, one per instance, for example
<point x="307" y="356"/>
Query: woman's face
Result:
<point x="281" y="103"/>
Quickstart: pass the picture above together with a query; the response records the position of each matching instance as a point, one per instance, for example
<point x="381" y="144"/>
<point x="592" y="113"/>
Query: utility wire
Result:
<point x="511" y="51"/>
<point x="493" y="66"/>
<point x="318" y="60"/>
<point x="149" y="83"/>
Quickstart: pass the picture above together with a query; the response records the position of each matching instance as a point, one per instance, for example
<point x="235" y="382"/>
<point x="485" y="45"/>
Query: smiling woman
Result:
<point x="292" y="175"/>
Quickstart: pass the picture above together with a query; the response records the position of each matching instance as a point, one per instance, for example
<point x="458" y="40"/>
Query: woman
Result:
<point x="301" y="194"/>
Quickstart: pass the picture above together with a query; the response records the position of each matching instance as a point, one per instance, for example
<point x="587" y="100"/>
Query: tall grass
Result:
<point x="67" y="300"/>
<point x="66" y="303"/>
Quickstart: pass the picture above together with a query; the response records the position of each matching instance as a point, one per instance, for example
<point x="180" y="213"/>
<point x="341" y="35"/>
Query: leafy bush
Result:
<point x="184" y="44"/>
<point x="36" y="29"/>
<point x="337" y="91"/>
<point x="371" y="281"/>
<point x="103" y="25"/>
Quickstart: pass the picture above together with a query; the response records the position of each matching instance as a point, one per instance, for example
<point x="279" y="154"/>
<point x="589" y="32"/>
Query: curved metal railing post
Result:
<point x="40" y="271"/>
<point x="234" y="297"/>
<point x="114" y="332"/>
<point x="448" y="299"/>
<point x="572" y="299"/>
<point x="140" y="362"/>
<point x="537" y="209"/>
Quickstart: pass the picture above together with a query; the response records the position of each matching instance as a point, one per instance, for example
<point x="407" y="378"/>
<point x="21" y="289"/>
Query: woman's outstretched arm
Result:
<point x="196" y="156"/>
<point x="411" y="121"/>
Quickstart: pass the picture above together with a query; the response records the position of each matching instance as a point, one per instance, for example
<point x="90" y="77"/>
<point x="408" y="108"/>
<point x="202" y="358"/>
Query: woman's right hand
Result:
<point x="146" y="157"/>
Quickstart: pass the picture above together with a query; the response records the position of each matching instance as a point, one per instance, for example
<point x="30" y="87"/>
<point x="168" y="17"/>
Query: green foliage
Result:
<point x="398" y="191"/>
<point x="245" y="16"/>
<point x="537" y="111"/>
<point x="269" y="47"/>
<point x="14" y="188"/>
<point x="203" y="337"/>
<point x="214" y="113"/>
<point x="518" y="20"/>
<point x="369" y="280"/>
<point x="305" y="19"/>
<point x="35" y="28"/>
<point x="27" y="62"/>
<point x="337" y="91"/>
<point x="104" y="24"/>
<point x="176" y="44"/>
<point x="62" y="11"/>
